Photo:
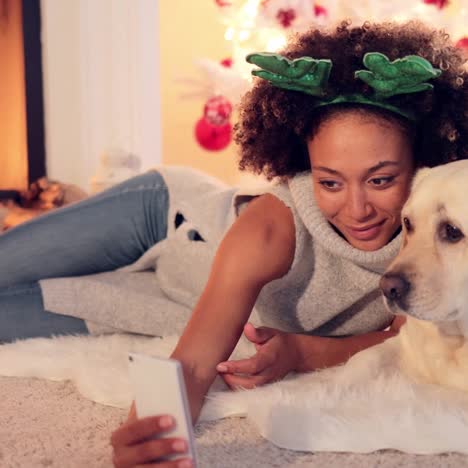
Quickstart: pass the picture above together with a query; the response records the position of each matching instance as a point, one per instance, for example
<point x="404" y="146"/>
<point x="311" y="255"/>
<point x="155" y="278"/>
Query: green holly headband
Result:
<point x="308" y="75"/>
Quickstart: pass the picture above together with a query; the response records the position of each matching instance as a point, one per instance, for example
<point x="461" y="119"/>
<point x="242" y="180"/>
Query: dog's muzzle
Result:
<point x="395" y="287"/>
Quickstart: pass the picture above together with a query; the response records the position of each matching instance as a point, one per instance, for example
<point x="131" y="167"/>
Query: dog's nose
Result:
<point x="394" y="286"/>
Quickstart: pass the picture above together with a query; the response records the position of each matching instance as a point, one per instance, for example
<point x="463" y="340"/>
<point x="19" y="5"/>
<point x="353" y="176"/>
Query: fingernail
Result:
<point x="179" y="446"/>
<point x="165" y="421"/>
<point x="185" y="464"/>
<point x="221" y="368"/>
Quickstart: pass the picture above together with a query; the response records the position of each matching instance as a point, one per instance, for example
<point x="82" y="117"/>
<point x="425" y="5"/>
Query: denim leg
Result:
<point x="22" y="315"/>
<point x="101" y="233"/>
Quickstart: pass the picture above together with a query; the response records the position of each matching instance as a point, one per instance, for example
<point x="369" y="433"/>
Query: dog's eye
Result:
<point x="451" y="233"/>
<point x="407" y="224"/>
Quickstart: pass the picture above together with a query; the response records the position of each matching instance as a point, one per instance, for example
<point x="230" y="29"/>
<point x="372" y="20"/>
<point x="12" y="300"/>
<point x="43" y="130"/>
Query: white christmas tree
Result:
<point x="263" y="25"/>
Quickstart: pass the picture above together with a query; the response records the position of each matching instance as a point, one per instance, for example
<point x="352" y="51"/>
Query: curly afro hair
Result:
<point x="274" y="124"/>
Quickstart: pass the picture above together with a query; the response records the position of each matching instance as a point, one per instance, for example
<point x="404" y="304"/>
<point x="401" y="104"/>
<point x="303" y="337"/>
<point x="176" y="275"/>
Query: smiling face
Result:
<point x="362" y="167"/>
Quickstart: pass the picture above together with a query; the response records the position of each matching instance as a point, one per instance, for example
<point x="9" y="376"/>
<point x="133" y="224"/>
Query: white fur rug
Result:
<point x="362" y="406"/>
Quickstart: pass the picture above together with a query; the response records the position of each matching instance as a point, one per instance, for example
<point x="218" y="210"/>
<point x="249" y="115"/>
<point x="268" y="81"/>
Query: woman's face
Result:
<point x="361" y="170"/>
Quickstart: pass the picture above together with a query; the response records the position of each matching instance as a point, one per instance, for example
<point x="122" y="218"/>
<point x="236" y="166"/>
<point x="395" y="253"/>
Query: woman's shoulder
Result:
<point x="271" y="206"/>
<point x="268" y="212"/>
<point x="264" y="235"/>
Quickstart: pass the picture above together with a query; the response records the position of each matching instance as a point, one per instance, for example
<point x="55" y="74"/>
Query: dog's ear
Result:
<point x="420" y="175"/>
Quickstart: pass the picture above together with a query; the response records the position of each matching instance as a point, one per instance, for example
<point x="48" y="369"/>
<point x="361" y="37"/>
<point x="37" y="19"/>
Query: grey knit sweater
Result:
<point x="330" y="289"/>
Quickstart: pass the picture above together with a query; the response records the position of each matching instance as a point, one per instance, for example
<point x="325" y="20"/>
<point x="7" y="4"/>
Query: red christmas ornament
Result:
<point x="463" y="43"/>
<point x="212" y="137"/>
<point x="438" y="3"/>
<point x="286" y="17"/>
<point x="217" y="110"/>
<point x="227" y="62"/>
<point x="320" y="10"/>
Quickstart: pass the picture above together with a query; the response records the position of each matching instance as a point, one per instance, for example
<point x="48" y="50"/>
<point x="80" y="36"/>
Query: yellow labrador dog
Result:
<point x="428" y="281"/>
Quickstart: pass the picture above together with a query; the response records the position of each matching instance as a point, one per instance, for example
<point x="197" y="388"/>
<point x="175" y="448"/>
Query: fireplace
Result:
<point x="22" y="150"/>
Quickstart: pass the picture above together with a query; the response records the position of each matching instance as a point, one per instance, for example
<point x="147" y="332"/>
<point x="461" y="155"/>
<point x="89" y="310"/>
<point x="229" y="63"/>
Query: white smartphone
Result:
<point x="159" y="388"/>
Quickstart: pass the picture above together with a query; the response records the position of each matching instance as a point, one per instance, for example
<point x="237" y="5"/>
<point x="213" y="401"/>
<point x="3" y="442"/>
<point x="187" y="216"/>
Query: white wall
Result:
<point x="101" y="84"/>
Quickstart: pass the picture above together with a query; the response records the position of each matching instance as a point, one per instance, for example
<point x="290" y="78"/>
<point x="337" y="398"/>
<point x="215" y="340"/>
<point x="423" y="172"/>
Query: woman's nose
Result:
<point x="359" y="207"/>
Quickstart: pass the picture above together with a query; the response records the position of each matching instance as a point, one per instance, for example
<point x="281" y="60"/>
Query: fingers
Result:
<point x="252" y="365"/>
<point x="133" y="445"/>
<point x="238" y="381"/>
<point x="258" y="335"/>
<point x="151" y="450"/>
<point x="141" y="429"/>
<point x="182" y="463"/>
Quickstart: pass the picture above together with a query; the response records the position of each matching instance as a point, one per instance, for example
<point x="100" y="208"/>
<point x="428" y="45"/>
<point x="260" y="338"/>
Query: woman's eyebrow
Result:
<point x="380" y="165"/>
<point x="372" y="169"/>
<point x="327" y="169"/>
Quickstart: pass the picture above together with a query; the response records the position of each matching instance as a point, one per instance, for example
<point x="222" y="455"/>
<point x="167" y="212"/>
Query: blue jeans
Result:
<point x="102" y="233"/>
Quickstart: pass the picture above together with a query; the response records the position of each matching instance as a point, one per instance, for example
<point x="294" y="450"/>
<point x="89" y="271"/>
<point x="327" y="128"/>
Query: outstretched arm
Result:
<point x="256" y="250"/>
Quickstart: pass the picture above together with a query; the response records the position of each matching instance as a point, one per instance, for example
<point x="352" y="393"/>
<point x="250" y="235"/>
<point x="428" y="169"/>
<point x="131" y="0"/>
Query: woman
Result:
<point x="345" y="142"/>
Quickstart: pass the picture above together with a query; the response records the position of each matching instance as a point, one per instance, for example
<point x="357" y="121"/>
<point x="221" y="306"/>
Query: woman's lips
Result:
<point x="366" y="233"/>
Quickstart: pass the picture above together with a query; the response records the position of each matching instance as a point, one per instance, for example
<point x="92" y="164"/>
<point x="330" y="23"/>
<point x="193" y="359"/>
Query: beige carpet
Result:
<point x="48" y="424"/>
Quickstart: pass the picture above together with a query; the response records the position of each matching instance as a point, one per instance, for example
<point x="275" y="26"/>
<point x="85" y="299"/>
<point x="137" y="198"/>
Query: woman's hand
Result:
<point x="276" y="356"/>
<point x="279" y="353"/>
<point x="133" y="444"/>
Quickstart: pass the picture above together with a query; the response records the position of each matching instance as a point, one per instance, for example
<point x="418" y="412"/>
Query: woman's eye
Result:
<point x="329" y="184"/>
<point x="381" y="181"/>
